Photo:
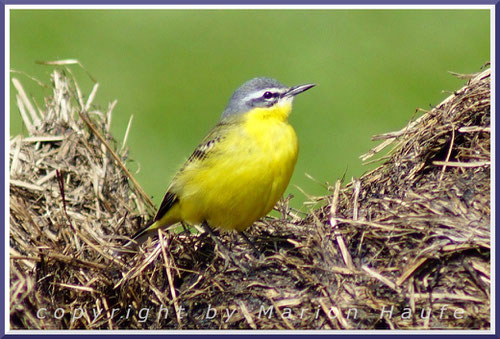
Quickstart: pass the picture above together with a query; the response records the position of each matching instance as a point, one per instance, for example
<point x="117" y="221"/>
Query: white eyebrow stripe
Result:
<point x="260" y="93"/>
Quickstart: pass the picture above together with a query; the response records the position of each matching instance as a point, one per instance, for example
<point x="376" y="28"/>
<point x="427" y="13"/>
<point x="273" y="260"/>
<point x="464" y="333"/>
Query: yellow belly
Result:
<point x="242" y="179"/>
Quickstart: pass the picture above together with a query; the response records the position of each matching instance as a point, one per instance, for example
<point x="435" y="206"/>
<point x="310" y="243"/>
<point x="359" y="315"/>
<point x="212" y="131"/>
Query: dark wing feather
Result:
<point x="216" y="135"/>
<point x="169" y="200"/>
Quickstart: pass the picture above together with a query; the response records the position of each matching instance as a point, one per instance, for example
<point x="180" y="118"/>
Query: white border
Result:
<point x="8" y="8"/>
<point x="6" y="169"/>
<point x="297" y="7"/>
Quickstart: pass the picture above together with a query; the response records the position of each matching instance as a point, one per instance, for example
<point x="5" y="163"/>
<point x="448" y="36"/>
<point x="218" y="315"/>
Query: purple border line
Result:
<point x="247" y="2"/>
<point x="191" y="2"/>
<point x="2" y="171"/>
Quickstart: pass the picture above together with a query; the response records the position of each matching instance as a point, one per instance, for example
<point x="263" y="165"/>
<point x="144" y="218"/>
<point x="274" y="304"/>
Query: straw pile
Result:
<point x="406" y="246"/>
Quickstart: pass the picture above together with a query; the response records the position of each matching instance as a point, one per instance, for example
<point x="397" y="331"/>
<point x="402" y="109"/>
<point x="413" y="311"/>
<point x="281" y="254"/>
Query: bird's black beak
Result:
<point x="293" y="91"/>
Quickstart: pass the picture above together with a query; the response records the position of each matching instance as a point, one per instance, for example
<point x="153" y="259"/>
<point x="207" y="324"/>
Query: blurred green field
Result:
<point x="174" y="70"/>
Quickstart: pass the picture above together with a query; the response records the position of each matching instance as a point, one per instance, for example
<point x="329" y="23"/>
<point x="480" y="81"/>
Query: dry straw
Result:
<point x="410" y="237"/>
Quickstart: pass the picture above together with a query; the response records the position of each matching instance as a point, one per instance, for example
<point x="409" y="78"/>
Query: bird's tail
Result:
<point x="167" y="215"/>
<point x="149" y="229"/>
<point x="140" y="236"/>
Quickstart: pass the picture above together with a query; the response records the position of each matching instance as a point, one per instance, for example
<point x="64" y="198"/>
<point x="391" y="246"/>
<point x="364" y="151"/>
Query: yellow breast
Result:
<point x="245" y="175"/>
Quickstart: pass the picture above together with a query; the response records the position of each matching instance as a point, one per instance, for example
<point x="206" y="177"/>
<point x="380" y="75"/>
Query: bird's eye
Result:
<point x="268" y="95"/>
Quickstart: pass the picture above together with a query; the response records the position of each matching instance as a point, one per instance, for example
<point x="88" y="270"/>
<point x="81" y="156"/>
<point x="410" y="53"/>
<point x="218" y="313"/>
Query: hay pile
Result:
<point x="410" y="237"/>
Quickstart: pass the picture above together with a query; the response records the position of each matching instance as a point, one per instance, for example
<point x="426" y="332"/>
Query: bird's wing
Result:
<point x="215" y="136"/>
<point x="168" y="201"/>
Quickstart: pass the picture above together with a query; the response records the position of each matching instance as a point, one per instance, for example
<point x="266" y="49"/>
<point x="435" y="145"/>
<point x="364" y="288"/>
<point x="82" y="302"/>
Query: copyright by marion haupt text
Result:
<point x="268" y="311"/>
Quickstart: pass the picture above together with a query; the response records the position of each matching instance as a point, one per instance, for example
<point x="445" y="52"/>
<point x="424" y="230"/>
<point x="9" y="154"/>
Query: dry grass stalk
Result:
<point x="413" y="234"/>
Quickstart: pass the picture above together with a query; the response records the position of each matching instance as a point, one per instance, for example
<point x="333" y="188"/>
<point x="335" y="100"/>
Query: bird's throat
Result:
<point x="279" y="111"/>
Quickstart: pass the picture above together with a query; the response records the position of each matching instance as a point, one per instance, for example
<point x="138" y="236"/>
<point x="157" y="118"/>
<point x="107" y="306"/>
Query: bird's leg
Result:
<point x="226" y="254"/>
<point x="185" y="228"/>
<point x="256" y="251"/>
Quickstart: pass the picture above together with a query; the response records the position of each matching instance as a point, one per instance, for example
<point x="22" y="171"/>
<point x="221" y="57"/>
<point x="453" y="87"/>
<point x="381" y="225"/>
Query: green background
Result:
<point x="175" y="70"/>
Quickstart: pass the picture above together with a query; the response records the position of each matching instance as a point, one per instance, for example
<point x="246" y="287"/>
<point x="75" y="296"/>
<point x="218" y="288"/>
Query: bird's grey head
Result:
<point x="259" y="92"/>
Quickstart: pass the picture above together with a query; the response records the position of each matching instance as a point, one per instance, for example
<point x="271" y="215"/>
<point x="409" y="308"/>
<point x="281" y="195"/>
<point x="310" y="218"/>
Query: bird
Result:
<point x="241" y="168"/>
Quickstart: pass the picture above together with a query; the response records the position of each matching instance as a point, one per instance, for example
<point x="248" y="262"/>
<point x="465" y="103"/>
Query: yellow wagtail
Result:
<point x="242" y="167"/>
